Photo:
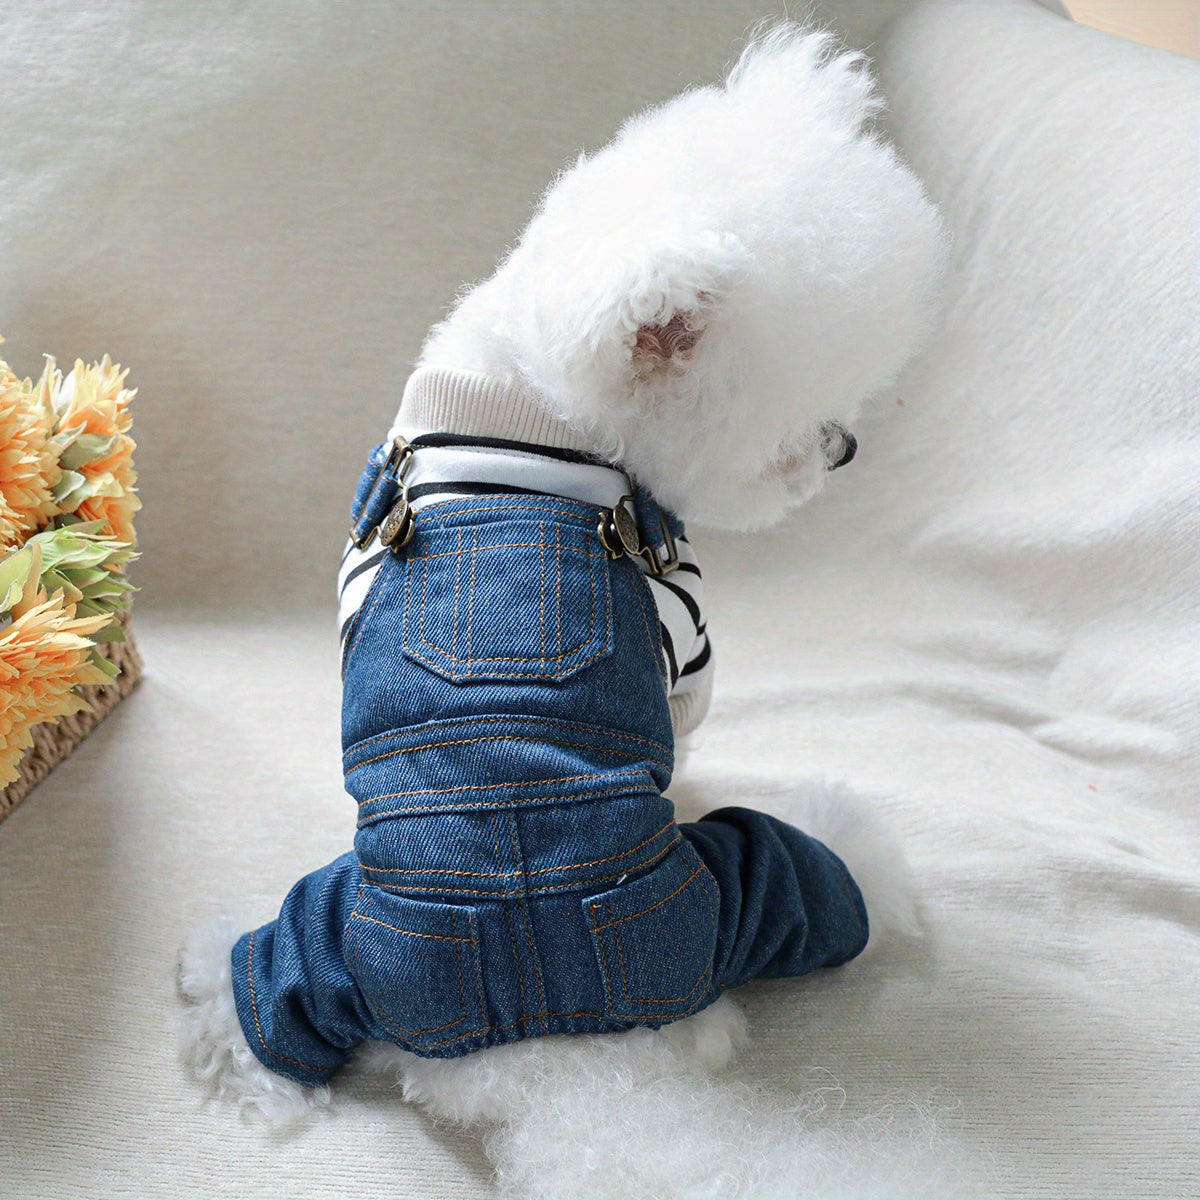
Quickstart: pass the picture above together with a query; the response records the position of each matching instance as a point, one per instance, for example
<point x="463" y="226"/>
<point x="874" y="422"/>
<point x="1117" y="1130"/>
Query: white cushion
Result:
<point x="989" y="622"/>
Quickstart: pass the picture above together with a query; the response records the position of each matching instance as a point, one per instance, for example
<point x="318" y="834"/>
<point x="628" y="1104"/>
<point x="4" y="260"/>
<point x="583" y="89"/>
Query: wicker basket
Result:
<point x="55" y="740"/>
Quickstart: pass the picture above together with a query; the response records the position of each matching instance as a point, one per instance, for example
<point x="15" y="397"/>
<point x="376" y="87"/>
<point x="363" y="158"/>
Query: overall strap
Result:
<point x="377" y="491"/>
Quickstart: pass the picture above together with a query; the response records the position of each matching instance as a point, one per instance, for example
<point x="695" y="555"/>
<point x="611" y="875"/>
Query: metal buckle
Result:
<point x="619" y="534"/>
<point x="397" y="528"/>
<point x="399" y="520"/>
<point x="667" y="562"/>
<point x="618" y="530"/>
<point x="361" y="543"/>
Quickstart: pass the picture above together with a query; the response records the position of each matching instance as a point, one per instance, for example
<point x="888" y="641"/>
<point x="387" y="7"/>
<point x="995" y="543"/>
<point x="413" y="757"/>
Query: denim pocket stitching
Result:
<point x="385" y="1017"/>
<point x="542" y="531"/>
<point x="457" y="606"/>
<point x="595" y="565"/>
<point x="430" y="515"/>
<point x="436" y="937"/>
<point x="643" y="911"/>
<point x="614" y="922"/>
<point x="470" y="591"/>
<point x="470" y="659"/>
<point x="704" y="975"/>
<point x="558" y="593"/>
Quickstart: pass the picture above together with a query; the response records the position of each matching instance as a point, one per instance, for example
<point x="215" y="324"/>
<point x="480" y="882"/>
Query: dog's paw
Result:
<point x="214" y="1047"/>
<point x="861" y="837"/>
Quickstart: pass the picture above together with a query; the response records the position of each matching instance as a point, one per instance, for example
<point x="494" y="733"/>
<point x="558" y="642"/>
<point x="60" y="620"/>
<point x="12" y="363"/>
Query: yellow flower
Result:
<point x="44" y="656"/>
<point x="98" y="482"/>
<point x="29" y="469"/>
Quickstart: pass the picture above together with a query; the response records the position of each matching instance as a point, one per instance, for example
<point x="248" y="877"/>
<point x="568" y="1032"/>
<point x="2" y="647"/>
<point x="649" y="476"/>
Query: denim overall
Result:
<point x="517" y="869"/>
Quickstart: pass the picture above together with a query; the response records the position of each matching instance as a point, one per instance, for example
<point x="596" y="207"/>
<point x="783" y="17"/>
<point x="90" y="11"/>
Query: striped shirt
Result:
<point x="449" y="467"/>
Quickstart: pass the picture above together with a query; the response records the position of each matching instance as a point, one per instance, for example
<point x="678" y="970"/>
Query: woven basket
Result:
<point x="55" y="740"/>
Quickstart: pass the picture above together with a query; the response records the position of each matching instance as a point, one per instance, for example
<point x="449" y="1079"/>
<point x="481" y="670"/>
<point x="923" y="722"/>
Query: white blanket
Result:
<point x="990" y="623"/>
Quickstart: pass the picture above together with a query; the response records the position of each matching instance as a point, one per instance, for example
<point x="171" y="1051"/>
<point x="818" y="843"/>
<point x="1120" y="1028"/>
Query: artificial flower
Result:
<point x="87" y="567"/>
<point x="45" y="654"/>
<point x="29" y="468"/>
<point x="15" y="570"/>
<point x="96" y="452"/>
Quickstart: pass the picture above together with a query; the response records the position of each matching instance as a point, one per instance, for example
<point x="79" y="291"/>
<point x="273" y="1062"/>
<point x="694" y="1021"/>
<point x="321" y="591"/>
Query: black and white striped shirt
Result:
<point x="449" y="467"/>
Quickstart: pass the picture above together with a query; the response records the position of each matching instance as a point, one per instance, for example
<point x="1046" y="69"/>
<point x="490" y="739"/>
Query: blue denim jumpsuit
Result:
<point x="517" y="869"/>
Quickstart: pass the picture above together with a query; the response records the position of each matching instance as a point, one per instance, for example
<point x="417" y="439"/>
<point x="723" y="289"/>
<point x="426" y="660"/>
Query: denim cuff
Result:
<point x="277" y="1039"/>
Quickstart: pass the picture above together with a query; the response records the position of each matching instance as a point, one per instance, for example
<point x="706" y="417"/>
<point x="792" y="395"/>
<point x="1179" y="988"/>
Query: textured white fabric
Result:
<point x="990" y="621"/>
<point x="469" y="402"/>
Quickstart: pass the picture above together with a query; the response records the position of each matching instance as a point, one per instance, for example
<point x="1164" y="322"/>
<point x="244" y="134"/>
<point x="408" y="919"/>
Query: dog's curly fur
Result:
<point x="739" y="268"/>
<point x="788" y="255"/>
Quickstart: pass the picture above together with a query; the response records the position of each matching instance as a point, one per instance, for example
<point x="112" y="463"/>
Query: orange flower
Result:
<point x="44" y="655"/>
<point x="97" y="452"/>
<point x="29" y="469"/>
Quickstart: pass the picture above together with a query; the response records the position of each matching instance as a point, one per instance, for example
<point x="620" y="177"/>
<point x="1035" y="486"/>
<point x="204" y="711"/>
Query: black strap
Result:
<point x="449" y="440"/>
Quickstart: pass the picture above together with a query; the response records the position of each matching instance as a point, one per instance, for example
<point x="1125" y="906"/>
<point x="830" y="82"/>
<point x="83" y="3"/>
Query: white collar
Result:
<point x="469" y="402"/>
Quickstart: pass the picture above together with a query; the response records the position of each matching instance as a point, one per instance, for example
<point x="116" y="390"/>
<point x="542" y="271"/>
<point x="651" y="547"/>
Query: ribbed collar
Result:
<point x="470" y="402"/>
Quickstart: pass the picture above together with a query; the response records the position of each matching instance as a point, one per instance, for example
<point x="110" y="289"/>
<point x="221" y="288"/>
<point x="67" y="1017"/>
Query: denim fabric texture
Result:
<point x="517" y="869"/>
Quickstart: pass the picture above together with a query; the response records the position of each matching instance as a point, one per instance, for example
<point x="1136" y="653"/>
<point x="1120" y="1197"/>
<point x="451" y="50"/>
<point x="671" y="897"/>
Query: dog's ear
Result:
<point x="663" y="347"/>
<point x="670" y="301"/>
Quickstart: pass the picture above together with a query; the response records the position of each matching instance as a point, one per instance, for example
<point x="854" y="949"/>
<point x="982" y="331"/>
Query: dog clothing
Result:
<point x="520" y="629"/>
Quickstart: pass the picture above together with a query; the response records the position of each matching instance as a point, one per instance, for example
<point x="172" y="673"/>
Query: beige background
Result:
<point x="1169" y="24"/>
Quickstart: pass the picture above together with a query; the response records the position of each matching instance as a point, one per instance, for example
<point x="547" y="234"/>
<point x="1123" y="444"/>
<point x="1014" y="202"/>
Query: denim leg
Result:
<point x="300" y="1009"/>
<point x="788" y="904"/>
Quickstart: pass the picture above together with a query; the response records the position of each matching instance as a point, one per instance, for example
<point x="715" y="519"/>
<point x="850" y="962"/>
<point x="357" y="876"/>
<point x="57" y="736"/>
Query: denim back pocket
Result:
<point x="418" y="966"/>
<point x="655" y="939"/>
<point x="509" y="600"/>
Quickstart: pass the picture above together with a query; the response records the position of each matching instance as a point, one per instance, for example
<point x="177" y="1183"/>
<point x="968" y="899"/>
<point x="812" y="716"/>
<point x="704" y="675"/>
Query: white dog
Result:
<point x="707" y="302"/>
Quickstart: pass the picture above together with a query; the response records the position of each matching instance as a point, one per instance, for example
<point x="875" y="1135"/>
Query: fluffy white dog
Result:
<point x="708" y="301"/>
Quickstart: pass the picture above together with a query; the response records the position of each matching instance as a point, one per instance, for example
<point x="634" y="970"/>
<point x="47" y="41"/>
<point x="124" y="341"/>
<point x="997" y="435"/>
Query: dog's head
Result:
<point x="710" y="298"/>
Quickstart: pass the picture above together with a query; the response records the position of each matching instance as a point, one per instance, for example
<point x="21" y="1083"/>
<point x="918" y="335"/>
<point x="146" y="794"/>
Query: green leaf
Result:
<point x="78" y="553"/>
<point x="78" y="560"/>
<point x="109" y="667"/>
<point x="86" y="577"/>
<point x="105" y="591"/>
<point x="77" y="545"/>
<point x="14" y="571"/>
<point x="112" y="632"/>
<point x="86" y="448"/>
<point x="78" y="526"/>
<point x="71" y="490"/>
